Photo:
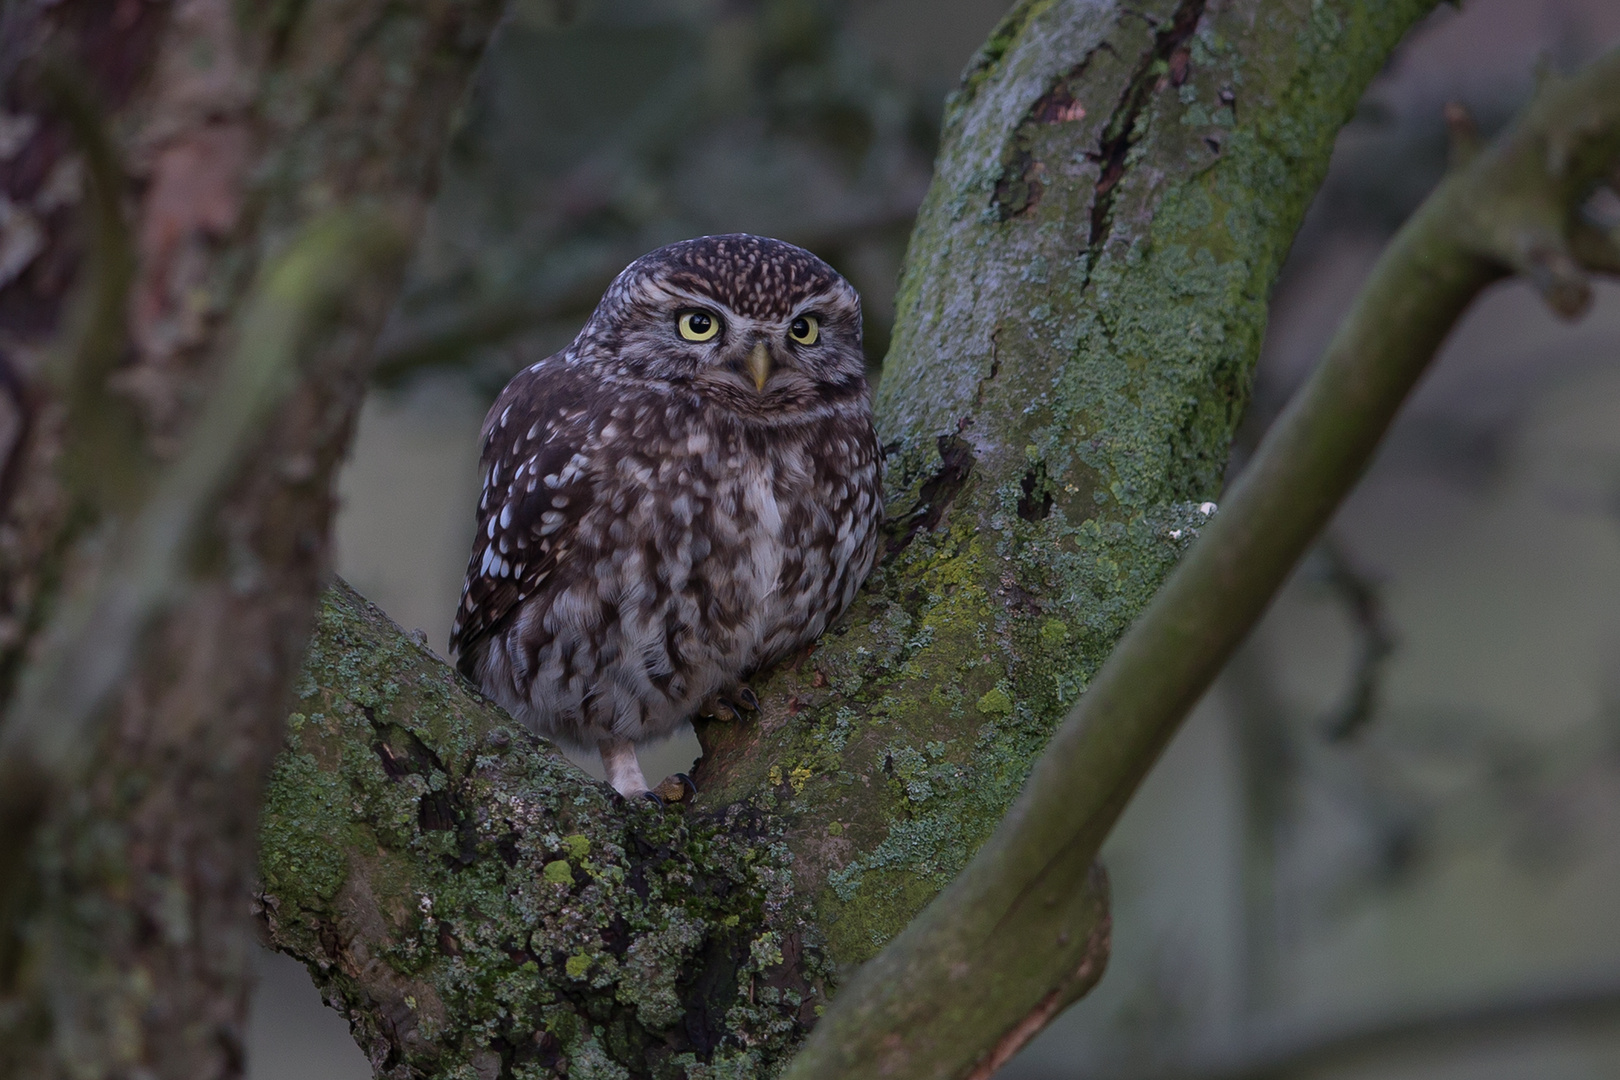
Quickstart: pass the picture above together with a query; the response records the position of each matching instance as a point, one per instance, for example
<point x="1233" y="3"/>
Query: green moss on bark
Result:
<point x="1087" y="346"/>
<point x="465" y="892"/>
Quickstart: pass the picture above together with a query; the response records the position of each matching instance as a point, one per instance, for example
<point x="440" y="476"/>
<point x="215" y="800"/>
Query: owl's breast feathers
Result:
<point x="630" y="536"/>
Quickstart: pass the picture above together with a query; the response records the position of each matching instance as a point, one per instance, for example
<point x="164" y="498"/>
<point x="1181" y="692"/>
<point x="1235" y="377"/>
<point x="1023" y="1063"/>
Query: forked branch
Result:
<point x="475" y="904"/>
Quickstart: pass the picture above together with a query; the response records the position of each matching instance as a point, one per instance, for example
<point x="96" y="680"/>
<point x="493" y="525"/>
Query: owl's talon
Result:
<point x="675" y="788"/>
<point x="654" y="796"/>
<point x="718" y="708"/>
<point x="723" y="708"/>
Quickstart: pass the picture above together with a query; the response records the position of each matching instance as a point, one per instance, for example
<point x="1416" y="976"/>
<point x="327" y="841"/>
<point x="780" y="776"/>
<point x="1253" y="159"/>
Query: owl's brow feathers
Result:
<point x="750" y="275"/>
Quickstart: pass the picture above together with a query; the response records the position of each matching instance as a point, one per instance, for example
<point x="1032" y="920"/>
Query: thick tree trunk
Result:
<point x="157" y="156"/>
<point x="1083" y="304"/>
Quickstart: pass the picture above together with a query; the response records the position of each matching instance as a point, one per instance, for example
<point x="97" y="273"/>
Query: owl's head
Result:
<point x="755" y="325"/>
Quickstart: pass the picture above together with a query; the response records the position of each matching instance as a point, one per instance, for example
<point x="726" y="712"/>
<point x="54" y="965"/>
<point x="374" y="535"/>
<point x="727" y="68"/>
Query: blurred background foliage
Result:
<point x="1388" y="843"/>
<point x="602" y="130"/>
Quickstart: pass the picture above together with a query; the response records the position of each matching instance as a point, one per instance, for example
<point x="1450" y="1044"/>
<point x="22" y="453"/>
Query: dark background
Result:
<point x="1401" y="805"/>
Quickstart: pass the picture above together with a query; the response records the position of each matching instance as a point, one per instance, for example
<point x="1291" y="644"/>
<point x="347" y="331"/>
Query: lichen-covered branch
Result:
<point x="472" y="900"/>
<point x="1083" y="304"/>
<point x="1084" y="299"/>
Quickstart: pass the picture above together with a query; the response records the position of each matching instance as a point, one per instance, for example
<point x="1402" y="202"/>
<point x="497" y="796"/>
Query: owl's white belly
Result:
<point x="762" y="539"/>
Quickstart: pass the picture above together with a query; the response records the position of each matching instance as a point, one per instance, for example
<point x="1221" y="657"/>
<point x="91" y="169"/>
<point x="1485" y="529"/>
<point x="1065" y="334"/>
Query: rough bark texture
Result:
<point x="157" y="154"/>
<point x="1084" y="301"/>
<point x="471" y="900"/>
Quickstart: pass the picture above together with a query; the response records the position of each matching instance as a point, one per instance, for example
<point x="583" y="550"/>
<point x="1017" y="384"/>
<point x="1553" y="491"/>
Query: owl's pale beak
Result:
<point x="759" y="364"/>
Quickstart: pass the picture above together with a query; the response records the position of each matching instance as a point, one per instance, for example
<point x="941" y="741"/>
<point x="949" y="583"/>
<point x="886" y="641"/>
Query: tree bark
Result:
<point x="1083" y="305"/>
<point x="160" y="158"/>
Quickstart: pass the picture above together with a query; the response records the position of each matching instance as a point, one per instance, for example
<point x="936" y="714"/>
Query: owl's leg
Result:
<point x="623" y="770"/>
<point x="730" y="705"/>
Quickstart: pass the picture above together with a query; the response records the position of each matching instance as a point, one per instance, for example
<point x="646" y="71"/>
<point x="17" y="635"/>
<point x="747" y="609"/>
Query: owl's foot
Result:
<point x="674" y="788"/>
<point x="730" y="706"/>
<point x="624" y="773"/>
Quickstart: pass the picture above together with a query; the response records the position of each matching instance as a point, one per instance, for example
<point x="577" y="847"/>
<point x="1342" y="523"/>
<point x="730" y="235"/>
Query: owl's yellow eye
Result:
<point x="697" y="325"/>
<point x="805" y="329"/>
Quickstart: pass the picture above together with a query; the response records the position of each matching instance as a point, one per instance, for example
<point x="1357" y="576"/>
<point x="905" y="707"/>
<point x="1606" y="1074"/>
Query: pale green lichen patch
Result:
<point x="303" y="810"/>
<point x="996" y="702"/>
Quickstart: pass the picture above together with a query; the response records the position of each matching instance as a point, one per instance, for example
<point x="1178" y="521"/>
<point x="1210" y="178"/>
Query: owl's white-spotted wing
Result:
<point x="535" y="490"/>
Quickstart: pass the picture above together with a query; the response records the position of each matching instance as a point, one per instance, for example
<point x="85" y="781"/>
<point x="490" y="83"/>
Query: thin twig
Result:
<point x="1375" y="641"/>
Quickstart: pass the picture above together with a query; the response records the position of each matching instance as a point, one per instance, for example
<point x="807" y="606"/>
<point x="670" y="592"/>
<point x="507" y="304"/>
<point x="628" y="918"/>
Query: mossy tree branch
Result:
<point x="1083" y="304"/>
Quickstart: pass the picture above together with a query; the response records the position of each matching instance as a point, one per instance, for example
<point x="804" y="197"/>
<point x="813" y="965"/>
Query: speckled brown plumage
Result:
<point x="661" y="516"/>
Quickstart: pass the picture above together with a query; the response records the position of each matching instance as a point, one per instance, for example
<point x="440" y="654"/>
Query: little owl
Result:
<point x="687" y="493"/>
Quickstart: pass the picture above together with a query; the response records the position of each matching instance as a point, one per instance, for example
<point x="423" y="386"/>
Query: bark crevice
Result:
<point x="1169" y="51"/>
